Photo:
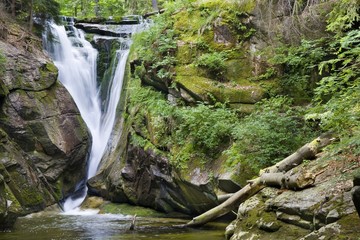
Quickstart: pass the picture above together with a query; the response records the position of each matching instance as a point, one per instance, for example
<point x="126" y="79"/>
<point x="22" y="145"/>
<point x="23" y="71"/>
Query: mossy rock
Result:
<point x="188" y="22"/>
<point x="27" y="195"/>
<point x="243" y="107"/>
<point x="92" y="202"/>
<point x="127" y="209"/>
<point x="205" y="89"/>
<point x="185" y="53"/>
<point x="15" y="206"/>
<point x="238" y="71"/>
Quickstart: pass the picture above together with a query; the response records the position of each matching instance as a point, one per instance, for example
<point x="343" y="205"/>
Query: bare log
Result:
<point x="288" y="180"/>
<point x="132" y="225"/>
<point x="308" y="151"/>
<point x="224" y="197"/>
<point x="146" y="15"/>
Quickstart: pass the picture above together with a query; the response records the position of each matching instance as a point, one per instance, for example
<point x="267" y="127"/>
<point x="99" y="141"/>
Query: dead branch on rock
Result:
<point x="132" y="225"/>
<point x="308" y="151"/>
<point x="288" y="180"/>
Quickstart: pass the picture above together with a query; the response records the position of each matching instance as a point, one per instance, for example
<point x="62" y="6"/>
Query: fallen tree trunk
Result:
<point x="308" y="151"/>
<point x="288" y="180"/>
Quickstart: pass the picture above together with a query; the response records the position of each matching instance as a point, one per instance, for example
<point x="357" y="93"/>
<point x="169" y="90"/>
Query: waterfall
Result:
<point x="76" y="59"/>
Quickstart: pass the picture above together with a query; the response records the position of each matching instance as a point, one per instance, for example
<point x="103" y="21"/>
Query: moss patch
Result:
<point x="127" y="209"/>
<point x="204" y="89"/>
<point x="26" y="194"/>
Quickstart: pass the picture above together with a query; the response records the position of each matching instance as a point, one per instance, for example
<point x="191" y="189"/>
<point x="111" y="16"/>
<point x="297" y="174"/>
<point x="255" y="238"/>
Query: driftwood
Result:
<point x="308" y="151"/>
<point x="146" y="15"/>
<point x="132" y="225"/>
<point x="288" y="180"/>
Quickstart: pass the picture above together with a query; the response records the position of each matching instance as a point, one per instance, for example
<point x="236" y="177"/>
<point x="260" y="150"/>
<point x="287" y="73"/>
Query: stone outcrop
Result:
<point x="146" y="178"/>
<point x="142" y="175"/>
<point x="44" y="141"/>
<point x="317" y="212"/>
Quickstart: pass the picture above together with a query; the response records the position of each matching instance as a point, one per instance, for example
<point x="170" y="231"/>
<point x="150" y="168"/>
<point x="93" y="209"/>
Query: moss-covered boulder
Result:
<point x="199" y="88"/>
<point x="318" y="212"/>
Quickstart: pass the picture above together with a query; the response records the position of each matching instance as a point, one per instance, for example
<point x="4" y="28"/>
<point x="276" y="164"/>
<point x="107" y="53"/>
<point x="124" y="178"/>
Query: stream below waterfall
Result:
<point x="45" y="226"/>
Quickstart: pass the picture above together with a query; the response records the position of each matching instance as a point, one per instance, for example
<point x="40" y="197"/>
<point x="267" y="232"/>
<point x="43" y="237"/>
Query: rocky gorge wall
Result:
<point x="140" y="169"/>
<point x="43" y="152"/>
<point x="44" y="140"/>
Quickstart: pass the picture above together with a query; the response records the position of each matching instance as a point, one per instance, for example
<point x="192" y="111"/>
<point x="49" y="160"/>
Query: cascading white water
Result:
<point x="75" y="59"/>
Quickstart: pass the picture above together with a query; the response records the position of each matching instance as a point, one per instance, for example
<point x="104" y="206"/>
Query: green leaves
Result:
<point x="213" y="62"/>
<point x="2" y="63"/>
<point x="269" y="134"/>
<point x="156" y="47"/>
<point x="208" y="127"/>
<point x="342" y="17"/>
<point x="203" y="132"/>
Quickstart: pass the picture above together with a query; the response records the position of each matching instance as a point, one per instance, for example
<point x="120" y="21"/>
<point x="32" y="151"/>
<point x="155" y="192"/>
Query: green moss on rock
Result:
<point x="201" y="88"/>
<point x="26" y="194"/>
<point x="127" y="209"/>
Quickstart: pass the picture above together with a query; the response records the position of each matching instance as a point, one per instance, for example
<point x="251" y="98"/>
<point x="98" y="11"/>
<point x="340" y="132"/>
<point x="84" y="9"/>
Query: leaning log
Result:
<point x="288" y="180"/>
<point x="308" y="151"/>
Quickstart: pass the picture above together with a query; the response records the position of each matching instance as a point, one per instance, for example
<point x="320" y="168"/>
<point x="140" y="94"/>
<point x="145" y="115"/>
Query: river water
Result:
<point x="106" y="226"/>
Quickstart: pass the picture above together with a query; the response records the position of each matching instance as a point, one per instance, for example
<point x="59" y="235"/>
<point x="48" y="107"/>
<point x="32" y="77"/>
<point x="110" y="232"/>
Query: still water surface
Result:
<point x="106" y="226"/>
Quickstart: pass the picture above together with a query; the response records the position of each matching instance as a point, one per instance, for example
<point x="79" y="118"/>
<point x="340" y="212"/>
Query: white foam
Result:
<point x="81" y="212"/>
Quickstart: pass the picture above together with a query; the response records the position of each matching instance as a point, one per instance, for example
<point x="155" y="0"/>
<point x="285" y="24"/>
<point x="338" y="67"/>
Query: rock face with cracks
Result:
<point x="44" y="141"/>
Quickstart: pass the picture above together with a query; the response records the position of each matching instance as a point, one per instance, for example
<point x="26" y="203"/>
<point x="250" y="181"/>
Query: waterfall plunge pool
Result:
<point x="89" y="225"/>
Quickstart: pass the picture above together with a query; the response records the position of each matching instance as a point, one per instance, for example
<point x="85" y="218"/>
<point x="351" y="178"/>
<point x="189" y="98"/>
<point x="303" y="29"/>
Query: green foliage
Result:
<point x="160" y="57"/>
<point x="46" y="9"/>
<point x="269" y="134"/>
<point x="105" y="8"/>
<point x="202" y="132"/>
<point x="343" y="15"/>
<point x="328" y="70"/>
<point x="2" y="63"/>
<point x="208" y="127"/>
<point x="337" y="95"/>
<point x="343" y="67"/>
<point x="298" y="66"/>
<point x="213" y="62"/>
<point x="42" y="9"/>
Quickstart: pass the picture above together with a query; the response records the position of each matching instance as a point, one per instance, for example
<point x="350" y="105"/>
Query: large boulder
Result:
<point x="146" y="178"/>
<point x="317" y="212"/>
<point x="44" y="140"/>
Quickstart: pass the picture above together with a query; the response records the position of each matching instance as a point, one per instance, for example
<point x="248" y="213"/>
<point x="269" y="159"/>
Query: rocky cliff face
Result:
<point x="244" y="33"/>
<point x="143" y="175"/>
<point x="44" y="141"/>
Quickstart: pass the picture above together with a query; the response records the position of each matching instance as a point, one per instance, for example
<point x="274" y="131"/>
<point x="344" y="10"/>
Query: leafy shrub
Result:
<point x="213" y="62"/>
<point x="156" y="48"/>
<point x="2" y="63"/>
<point x="298" y="66"/>
<point x="343" y="16"/>
<point x="269" y="134"/>
<point x="207" y="127"/>
<point x="337" y="95"/>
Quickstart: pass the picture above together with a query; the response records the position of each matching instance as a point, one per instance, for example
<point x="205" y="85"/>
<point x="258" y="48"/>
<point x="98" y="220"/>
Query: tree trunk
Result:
<point x="97" y="8"/>
<point x="155" y="5"/>
<point x="288" y="180"/>
<point x="308" y="151"/>
<point x="31" y="13"/>
<point x="13" y="8"/>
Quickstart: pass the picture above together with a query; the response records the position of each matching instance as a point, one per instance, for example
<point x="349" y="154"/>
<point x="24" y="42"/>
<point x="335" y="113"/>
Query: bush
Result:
<point x="214" y="63"/>
<point x="207" y="127"/>
<point x="269" y="134"/>
<point x="2" y="63"/>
